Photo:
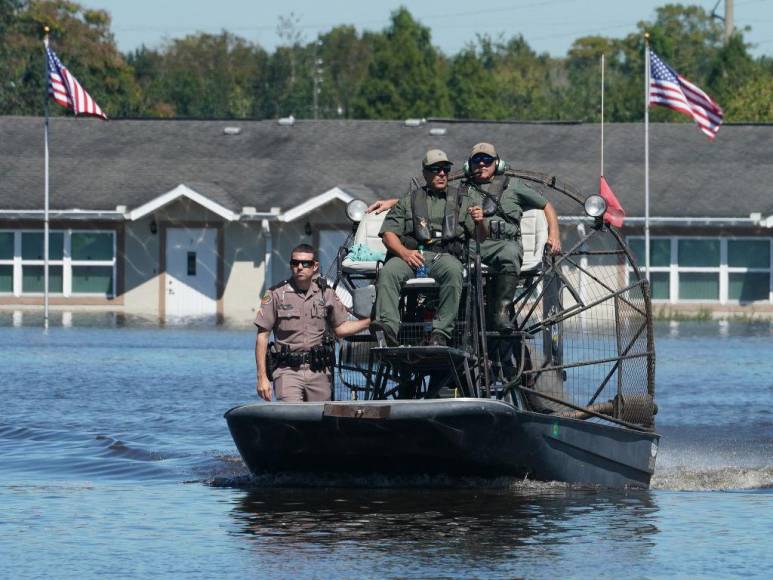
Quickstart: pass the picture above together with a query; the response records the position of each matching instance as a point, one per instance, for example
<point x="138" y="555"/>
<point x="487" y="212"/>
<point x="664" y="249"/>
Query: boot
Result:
<point x="504" y="292"/>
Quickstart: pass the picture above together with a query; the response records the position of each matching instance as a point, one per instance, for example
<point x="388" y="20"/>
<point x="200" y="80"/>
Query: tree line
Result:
<point x="395" y="73"/>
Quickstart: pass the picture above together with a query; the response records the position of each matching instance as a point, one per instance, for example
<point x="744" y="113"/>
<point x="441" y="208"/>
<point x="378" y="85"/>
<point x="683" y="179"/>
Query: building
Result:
<point x="175" y="218"/>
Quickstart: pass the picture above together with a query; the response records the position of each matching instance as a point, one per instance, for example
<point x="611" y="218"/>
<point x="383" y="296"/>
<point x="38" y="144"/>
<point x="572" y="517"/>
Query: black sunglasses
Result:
<point x="304" y="263"/>
<point x="445" y="168"/>
<point x="485" y="159"/>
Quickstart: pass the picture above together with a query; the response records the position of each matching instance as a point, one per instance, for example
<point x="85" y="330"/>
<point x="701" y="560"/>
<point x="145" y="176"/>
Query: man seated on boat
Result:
<point x="301" y="312"/>
<point x="438" y="220"/>
<point x="505" y="198"/>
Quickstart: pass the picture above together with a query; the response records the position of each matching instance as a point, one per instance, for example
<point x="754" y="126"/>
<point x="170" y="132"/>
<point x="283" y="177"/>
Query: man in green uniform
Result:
<point x="432" y="217"/>
<point x="504" y="201"/>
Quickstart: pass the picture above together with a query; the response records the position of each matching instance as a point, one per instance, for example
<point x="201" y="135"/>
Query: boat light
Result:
<point x="595" y="206"/>
<point x="355" y="210"/>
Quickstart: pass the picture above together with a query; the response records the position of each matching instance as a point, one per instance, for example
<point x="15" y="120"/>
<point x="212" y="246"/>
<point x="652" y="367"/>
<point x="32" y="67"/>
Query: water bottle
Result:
<point x="421" y="271"/>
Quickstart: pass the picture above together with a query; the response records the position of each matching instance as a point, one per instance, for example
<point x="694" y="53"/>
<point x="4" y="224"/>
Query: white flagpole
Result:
<point x="646" y="155"/>
<point x="45" y="180"/>
<point x="602" y="115"/>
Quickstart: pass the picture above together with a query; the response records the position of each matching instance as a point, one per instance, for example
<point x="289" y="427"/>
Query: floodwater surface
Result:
<point x="115" y="461"/>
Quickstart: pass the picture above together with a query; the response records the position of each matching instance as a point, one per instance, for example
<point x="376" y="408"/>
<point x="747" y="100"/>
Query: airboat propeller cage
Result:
<point x="356" y="209"/>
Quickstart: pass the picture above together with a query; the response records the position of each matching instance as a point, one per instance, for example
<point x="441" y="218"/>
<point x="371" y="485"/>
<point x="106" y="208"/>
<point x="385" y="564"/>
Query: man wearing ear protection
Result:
<point x="504" y="201"/>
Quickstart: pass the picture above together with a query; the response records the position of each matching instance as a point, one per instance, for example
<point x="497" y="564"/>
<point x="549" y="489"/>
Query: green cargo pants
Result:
<point x="447" y="272"/>
<point x="505" y="256"/>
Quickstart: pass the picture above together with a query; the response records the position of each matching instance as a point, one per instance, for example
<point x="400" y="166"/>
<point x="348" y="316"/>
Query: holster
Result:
<point x="271" y="360"/>
<point x="322" y="357"/>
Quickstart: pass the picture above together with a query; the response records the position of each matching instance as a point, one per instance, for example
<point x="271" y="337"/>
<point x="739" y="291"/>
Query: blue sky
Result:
<point x="548" y="25"/>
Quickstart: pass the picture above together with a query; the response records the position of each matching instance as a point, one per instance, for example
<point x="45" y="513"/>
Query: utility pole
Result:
<point x="728" y="20"/>
<point x="317" y="78"/>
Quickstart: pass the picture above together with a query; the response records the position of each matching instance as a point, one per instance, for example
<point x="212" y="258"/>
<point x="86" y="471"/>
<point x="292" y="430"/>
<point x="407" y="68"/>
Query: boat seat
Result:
<point x="534" y="237"/>
<point x="366" y="237"/>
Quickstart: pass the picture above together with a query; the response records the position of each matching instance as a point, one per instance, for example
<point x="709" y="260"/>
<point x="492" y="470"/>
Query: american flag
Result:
<point x="67" y="91"/>
<point x="669" y="89"/>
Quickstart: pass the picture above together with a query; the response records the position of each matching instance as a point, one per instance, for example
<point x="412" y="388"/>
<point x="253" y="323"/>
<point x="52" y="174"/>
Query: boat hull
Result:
<point x="477" y="437"/>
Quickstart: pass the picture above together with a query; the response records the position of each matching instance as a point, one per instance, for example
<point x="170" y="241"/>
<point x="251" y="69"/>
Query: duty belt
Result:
<point x="318" y="358"/>
<point x="296" y="359"/>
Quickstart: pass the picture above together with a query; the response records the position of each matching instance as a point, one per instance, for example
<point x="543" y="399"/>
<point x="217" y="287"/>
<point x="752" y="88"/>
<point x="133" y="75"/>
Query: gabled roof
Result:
<point x="315" y="202"/>
<point x="181" y="191"/>
<point x="99" y="165"/>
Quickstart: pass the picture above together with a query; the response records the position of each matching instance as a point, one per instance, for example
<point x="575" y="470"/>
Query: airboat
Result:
<point x="568" y="396"/>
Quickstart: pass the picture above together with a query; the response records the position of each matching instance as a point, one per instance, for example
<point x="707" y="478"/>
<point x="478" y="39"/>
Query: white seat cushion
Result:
<point x="534" y="236"/>
<point x="367" y="235"/>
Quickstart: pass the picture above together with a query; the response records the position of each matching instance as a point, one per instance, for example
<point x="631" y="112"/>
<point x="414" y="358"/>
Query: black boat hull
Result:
<point x="479" y="437"/>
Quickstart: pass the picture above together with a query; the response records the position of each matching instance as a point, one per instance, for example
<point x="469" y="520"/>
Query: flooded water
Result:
<point x="115" y="461"/>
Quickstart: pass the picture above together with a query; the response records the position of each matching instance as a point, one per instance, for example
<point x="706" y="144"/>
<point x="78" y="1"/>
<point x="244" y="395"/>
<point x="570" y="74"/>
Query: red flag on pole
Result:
<point x="615" y="214"/>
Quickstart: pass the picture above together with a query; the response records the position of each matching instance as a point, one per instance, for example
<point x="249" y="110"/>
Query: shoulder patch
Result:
<point x="266" y="298"/>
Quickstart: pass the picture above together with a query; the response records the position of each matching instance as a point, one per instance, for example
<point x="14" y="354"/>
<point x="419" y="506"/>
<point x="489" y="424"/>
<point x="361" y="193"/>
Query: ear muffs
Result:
<point x="500" y="168"/>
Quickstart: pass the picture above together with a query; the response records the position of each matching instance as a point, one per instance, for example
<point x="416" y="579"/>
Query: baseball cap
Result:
<point x="484" y="149"/>
<point x="434" y="156"/>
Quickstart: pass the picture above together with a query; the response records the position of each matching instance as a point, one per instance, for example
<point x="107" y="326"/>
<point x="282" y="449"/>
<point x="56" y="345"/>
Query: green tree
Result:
<point x="201" y="75"/>
<point x="345" y="60"/>
<point x="83" y="41"/>
<point x="473" y="87"/>
<point x="752" y="102"/>
<point x="407" y="75"/>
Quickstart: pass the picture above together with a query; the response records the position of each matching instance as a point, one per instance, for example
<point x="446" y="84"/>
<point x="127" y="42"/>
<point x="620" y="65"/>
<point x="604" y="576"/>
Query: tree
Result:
<point x="81" y="38"/>
<point x="473" y="87"/>
<point x="345" y="61"/>
<point x="201" y="75"/>
<point x="407" y="75"/>
<point x="752" y="102"/>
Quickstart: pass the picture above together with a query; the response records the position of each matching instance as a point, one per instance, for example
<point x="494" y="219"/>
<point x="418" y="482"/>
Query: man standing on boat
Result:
<point x="301" y="312"/>
<point x="435" y="219"/>
<point x="505" y="199"/>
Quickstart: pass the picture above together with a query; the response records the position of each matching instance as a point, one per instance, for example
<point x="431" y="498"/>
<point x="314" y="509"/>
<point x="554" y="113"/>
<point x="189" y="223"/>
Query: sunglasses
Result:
<point x="303" y="263"/>
<point x="445" y="168"/>
<point x="485" y="159"/>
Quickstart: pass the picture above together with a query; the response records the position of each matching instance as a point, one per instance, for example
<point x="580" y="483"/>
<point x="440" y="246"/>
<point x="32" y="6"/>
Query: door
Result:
<point x="191" y="272"/>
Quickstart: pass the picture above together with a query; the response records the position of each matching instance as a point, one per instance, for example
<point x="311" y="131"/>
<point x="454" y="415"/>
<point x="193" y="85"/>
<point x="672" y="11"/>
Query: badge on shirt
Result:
<point x="266" y="298"/>
<point x="422" y="222"/>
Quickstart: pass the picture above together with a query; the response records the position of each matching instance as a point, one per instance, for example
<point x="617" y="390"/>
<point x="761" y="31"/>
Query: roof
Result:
<point x="96" y="165"/>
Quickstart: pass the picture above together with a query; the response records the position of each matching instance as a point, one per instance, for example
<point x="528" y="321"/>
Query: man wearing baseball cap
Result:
<point x="436" y="219"/>
<point x="505" y="199"/>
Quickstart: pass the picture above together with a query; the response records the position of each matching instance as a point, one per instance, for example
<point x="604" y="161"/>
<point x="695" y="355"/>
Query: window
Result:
<point x="707" y="269"/>
<point x="191" y="263"/>
<point x="80" y="262"/>
<point x="660" y="264"/>
<point x="748" y="265"/>
<point x="6" y="262"/>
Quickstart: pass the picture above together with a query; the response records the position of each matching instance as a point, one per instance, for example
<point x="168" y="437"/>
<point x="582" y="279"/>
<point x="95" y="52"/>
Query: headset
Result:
<point x="502" y="165"/>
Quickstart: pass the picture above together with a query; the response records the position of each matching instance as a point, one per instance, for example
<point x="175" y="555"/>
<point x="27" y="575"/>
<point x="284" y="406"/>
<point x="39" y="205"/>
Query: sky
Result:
<point x="548" y="25"/>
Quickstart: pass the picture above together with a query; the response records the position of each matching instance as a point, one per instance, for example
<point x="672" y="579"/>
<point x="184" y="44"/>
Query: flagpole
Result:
<point x="602" y="115"/>
<point x="647" y="155"/>
<point x="45" y="181"/>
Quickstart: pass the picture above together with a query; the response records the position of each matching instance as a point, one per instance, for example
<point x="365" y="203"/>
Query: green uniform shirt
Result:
<point x="399" y="220"/>
<point x="516" y="199"/>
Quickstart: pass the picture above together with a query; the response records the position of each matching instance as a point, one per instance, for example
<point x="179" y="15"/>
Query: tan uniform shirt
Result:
<point x="298" y="319"/>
